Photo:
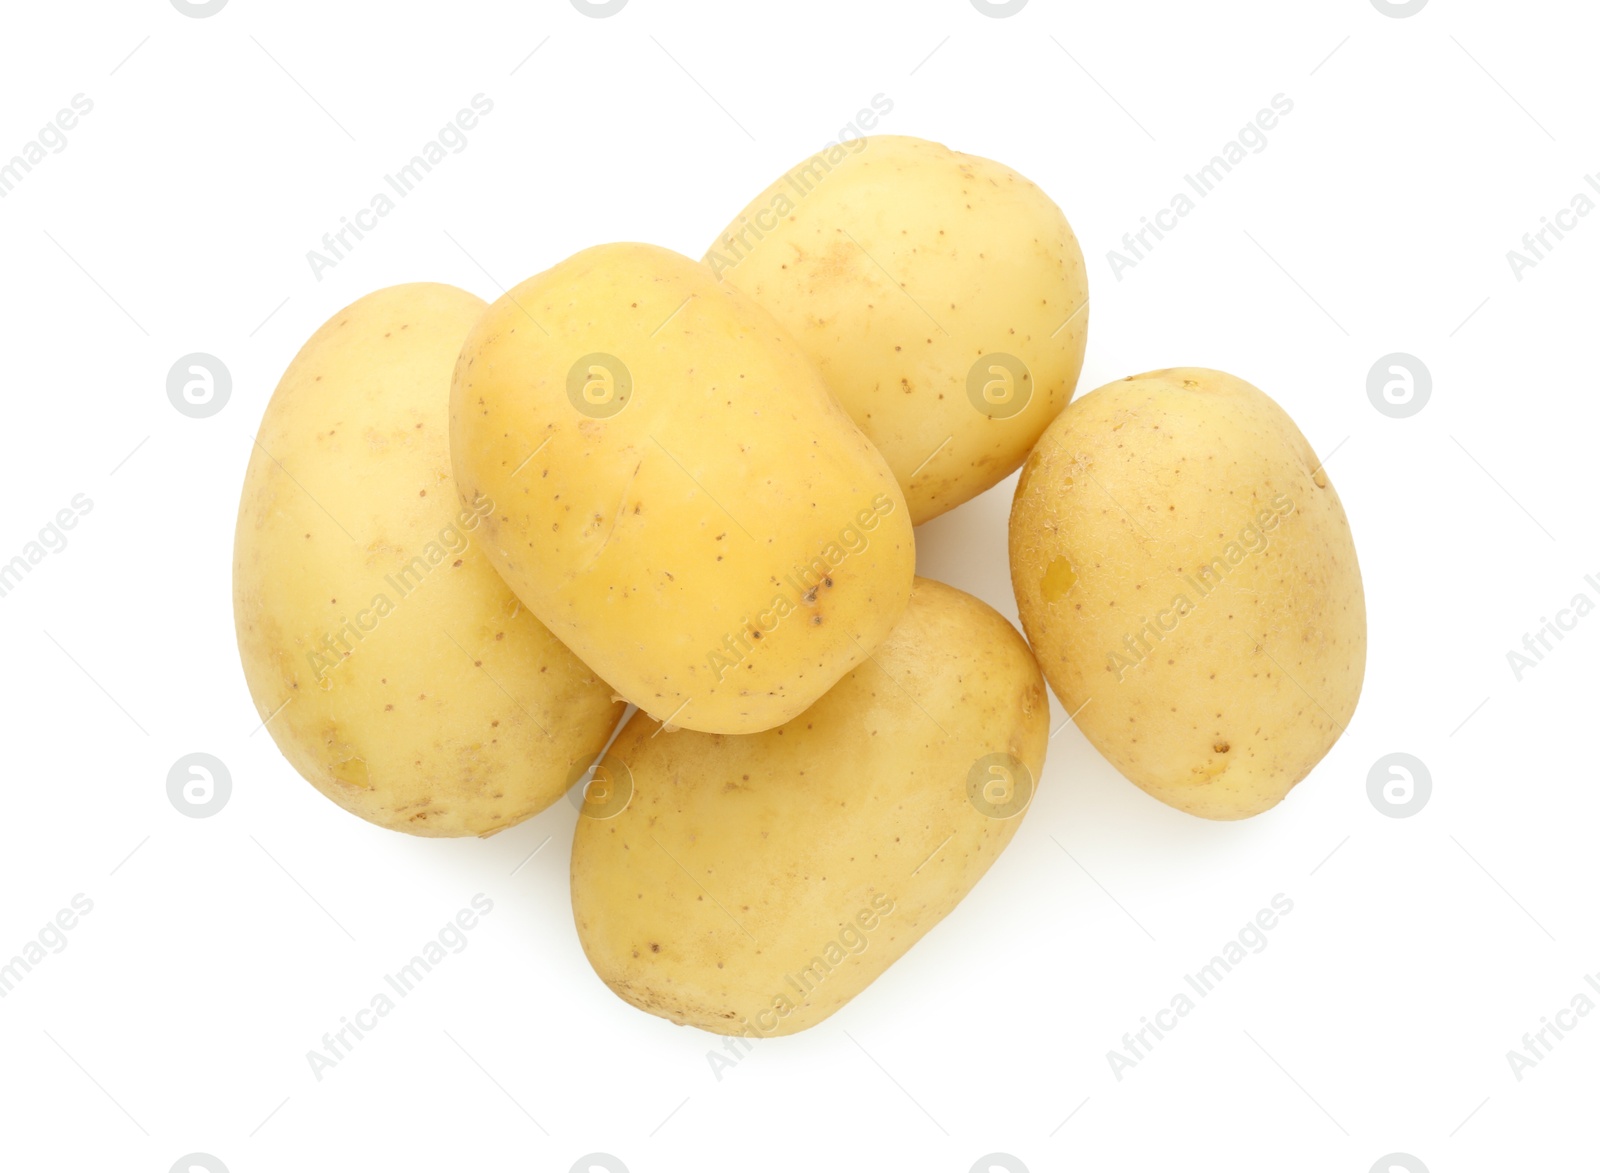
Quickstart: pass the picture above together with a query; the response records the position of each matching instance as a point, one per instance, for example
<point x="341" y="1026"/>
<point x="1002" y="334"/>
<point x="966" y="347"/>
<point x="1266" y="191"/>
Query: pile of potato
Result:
<point x="471" y="535"/>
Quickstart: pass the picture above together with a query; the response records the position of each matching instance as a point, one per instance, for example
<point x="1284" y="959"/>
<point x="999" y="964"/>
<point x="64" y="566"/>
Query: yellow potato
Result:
<point x="943" y="297"/>
<point x="393" y="667"/>
<point x="1187" y="578"/>
<point x="677" y="497"/>
<point x="754" y="885"/>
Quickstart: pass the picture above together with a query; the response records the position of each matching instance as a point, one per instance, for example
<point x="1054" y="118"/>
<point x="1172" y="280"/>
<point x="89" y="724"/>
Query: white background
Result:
<point x="177" y="219"/>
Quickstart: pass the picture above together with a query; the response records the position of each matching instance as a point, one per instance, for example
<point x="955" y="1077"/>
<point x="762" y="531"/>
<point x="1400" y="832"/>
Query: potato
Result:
<point x="1187" y="578"/>
<point x="943" y="297"/>
<point x="677" y="496"/>
<point x="392" y="666"/>
<point x="754" y="885"/>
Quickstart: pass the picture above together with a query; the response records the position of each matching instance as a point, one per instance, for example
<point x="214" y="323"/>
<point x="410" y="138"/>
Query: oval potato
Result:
<point x="677" y="495"/>
<point x="392" y="666"/>
<point x="1187" y="577"/>
<point x="754" y="885"/>
<point x="942" y="295"/>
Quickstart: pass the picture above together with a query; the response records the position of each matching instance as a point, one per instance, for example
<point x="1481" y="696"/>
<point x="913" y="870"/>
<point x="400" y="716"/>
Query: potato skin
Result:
<point x="1187" y="577"/>
<point x="422" y="712"/>
<point x="664" y="542"/>
<point x="897" y="264"/>
<point x="843" y="835"/>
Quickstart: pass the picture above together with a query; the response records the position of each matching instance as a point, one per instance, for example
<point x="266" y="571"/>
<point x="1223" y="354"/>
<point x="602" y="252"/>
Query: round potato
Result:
<point x="393" y="667"/>
<point x="677" y="496"/>
<point x="1187" y="577"/>
<point x="754" y="885"/>
<point x="943" y="297"/>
